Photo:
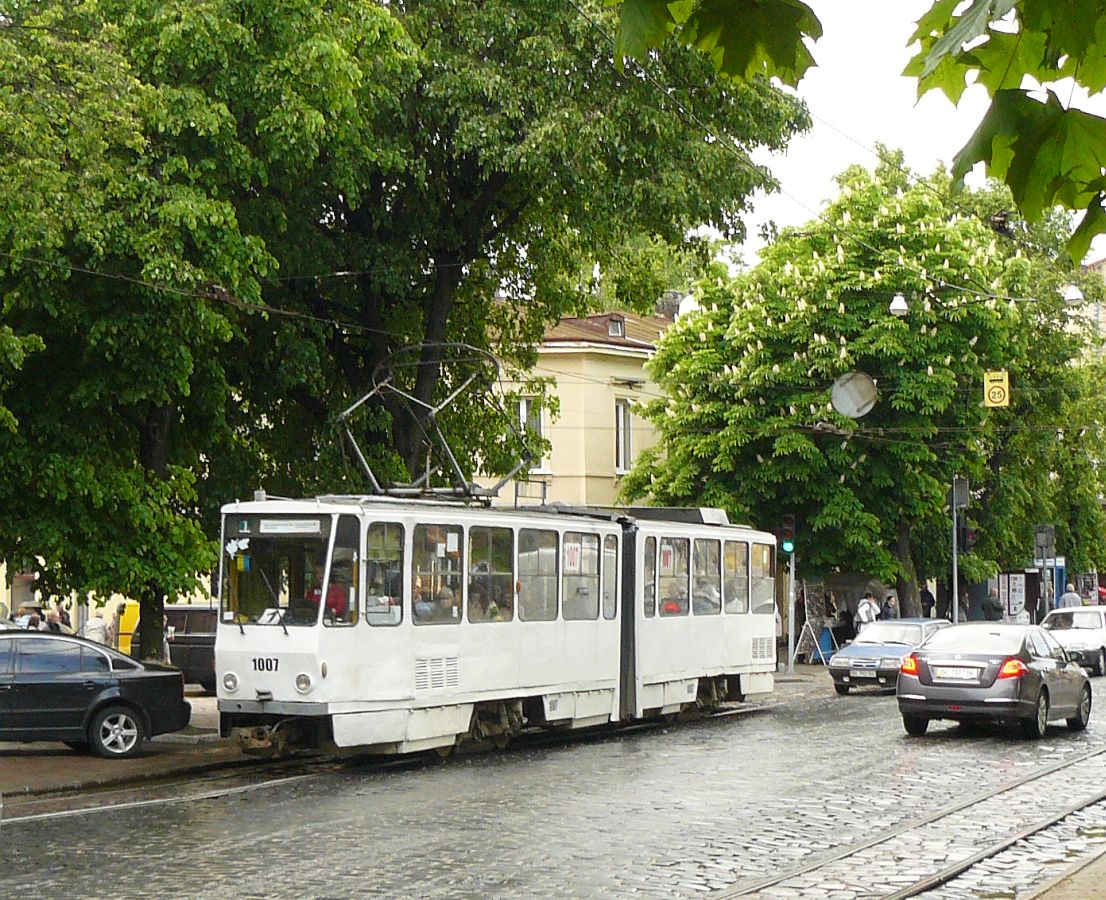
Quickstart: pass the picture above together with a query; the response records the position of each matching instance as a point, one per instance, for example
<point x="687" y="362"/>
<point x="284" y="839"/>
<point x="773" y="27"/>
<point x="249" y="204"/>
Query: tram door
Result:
<point x="628" y="647"/>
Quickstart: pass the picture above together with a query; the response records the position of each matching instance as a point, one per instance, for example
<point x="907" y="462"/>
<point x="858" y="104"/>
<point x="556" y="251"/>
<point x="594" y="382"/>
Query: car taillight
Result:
<point x="909" y="665"/>
<point x="1012" y="668"/>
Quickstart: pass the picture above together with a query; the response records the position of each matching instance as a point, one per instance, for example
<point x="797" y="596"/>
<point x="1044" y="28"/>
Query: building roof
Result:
<point x="637" y="332"/>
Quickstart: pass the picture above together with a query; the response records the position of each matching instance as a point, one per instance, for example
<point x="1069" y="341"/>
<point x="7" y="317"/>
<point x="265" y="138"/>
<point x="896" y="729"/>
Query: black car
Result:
<point x="65" y="688"/>
<point x="989" y="670"/>
<point x="191" y="634"/>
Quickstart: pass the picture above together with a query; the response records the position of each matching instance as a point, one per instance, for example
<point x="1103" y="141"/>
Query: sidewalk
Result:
<point x="35" y="769"/>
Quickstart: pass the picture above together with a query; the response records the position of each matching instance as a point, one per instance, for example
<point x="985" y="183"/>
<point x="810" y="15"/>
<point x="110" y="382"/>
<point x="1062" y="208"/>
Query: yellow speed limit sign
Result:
<point x="996" y="389"/>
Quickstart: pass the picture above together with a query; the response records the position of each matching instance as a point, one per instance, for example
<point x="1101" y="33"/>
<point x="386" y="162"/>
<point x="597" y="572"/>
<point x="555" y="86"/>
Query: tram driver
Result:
<point x="337" y="597"/>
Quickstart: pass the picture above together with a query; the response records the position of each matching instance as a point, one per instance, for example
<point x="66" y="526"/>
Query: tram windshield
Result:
<point x="274" y="570"/>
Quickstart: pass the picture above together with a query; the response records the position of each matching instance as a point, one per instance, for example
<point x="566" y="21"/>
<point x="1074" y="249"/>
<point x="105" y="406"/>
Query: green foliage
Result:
<point x="747" y="423"/>
<point x="1046" y="152"/>
<point x="743" y="38"/>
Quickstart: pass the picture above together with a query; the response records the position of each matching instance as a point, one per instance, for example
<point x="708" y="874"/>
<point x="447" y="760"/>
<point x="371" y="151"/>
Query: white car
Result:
<point x="1082" y="632"/>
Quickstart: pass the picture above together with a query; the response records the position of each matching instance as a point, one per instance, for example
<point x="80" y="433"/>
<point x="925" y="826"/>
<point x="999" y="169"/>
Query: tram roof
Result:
<point x="673" y="514"/>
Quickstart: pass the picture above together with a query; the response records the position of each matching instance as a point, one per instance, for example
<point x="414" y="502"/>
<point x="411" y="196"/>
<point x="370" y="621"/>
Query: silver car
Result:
<point x="1082" y="632"/>
<point x="993" y="671"/>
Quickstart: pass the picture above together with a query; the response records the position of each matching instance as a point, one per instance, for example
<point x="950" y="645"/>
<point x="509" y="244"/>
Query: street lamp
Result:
<point x="1072" y="295"/>
<point x="898" y="305"/>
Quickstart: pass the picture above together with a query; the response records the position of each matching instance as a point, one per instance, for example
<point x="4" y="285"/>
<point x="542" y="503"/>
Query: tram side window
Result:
<point x="735" y="584"/>
<point x="763" y="579"/>
<point x="340" y="607"/>
<point x="491" y="574"/>
<point x="706" y="588"/>
<point x="649" y="577"/>
<point x="384" y="564"/>
<point x="436" y="575"/>
<point x="537" y="575"/>
<point x="610" y="576"/>
<point x="580" y="582"/>
<point x="674" y="576"/>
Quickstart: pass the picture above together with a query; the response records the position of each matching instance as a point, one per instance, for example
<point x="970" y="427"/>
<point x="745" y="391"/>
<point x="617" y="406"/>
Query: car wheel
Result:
<point x="841" y="688"/>
<point x="1034" y="726"/>
<point x="1082" y="716"/>
<point x="209" y="687"/>
<point x="77" y="746"/>
<point x="116" y="732"/>
<point x="915" y="725"/>
<point x="1100" y="663"/>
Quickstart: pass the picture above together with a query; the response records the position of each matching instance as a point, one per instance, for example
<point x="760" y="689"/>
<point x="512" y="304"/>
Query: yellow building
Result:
<point x="597" y="366"/>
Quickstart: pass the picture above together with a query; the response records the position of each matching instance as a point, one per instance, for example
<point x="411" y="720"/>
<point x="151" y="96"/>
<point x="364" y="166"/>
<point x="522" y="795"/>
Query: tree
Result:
<point x="1047" y="152"/>
<point x="747" y="423"/>
<point x="109" y="254"/>
<point x="507" y="159"/>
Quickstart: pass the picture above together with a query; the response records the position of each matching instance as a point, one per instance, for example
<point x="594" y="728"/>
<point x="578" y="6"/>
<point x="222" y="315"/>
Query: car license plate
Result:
<point x="862" y="673"/>
<point x="956" y="673"/>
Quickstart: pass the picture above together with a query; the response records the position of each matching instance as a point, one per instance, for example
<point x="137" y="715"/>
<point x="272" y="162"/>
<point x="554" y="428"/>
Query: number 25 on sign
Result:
<point x="996" y="389"/>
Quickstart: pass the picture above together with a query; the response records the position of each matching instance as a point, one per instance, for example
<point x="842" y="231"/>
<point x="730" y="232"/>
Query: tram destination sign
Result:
<point x="289" y="526"/>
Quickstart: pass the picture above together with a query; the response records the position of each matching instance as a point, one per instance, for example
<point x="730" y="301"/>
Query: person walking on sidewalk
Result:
<point x="1069" y="598"/>
<point x="96" y="629"/>
<point x="867" y="611"/>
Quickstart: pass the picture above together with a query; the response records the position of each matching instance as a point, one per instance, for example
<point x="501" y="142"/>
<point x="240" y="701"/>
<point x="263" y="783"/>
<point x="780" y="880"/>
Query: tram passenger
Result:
<point x="675" y="601"/>
<point x="447" y="608"/>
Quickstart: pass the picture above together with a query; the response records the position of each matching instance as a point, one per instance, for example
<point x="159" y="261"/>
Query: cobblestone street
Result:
<point x="686" y="810"/>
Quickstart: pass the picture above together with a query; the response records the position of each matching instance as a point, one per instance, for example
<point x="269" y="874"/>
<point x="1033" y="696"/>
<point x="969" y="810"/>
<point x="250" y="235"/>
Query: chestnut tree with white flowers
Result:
<point x="747" y="423"/>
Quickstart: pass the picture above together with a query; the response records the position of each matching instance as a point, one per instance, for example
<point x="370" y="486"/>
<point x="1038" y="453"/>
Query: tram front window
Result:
<point x="274" y="570"/>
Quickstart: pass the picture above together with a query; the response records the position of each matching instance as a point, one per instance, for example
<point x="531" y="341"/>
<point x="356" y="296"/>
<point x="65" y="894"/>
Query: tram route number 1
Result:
<point x="265" y="663"/>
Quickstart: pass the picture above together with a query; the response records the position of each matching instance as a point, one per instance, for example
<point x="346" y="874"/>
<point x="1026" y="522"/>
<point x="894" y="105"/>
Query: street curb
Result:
<point x="123" y="780"/>
<point x="1070" y="872"/>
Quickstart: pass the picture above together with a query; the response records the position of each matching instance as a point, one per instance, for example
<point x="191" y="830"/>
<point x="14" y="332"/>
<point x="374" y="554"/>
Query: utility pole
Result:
<point x="791" y="613"/>
<point x="959" y="500"/>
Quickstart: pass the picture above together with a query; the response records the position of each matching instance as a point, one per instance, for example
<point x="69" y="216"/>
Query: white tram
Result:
<point x="402" y="625"/>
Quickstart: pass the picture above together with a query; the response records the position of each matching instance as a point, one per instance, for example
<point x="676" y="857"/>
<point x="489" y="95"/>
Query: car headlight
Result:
<point x="230" y="681"/>
<point x="837" y="662"/>
<point x="890" y="662"/>
<point x="303" y="682"/>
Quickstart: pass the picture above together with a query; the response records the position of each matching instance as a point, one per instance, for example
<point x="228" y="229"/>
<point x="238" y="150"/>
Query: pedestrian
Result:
<point x="867" y="611"/>
<point x="63" y="615"/>
<point x="927" y="602"/>
<point x="96" y="629"/>
<point x="53" y="621"/>
<point x="890" y="608"/>
<point x="1069" y="597"/>
<point x="962" y="607"/>
<point x="992" y="606"/>
<point x="944" y="608"/>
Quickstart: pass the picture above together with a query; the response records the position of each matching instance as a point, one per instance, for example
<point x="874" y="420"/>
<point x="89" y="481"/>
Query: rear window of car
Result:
<point x="977" y="639"/>
<point x="1062" y="621"/>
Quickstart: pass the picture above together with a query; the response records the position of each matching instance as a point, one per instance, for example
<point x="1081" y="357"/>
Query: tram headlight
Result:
<point x="230" y="681"/>
<point x="303" y="683"/>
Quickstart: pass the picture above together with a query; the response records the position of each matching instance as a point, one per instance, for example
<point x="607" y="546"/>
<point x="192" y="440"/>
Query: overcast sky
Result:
<point x="857" y="97"/>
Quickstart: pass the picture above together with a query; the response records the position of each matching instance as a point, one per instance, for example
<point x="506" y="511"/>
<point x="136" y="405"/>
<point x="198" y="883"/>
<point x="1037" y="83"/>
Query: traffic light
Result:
<point x="966" y="536"/>
<point x="787" y="534"/>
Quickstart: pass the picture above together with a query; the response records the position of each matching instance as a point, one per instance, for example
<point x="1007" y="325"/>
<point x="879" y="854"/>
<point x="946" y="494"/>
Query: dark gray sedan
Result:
<point x="992" y="671"/>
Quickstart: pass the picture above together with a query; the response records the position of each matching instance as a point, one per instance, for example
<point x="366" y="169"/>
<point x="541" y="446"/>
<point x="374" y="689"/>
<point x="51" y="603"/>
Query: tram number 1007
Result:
<point x="265" y="663"/>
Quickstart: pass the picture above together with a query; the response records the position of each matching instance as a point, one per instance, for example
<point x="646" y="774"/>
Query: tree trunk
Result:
<point x="906" y="581"/>
<point x="153" y="454"/>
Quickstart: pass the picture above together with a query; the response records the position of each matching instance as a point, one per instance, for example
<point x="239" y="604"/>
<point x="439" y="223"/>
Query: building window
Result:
<point x="623" y="445"/>
<point x="531" y="421"/>
<point x="616" y="327"/>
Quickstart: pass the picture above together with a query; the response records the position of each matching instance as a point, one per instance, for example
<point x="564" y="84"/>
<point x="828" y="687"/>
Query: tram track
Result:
<point x="943" y="873"/>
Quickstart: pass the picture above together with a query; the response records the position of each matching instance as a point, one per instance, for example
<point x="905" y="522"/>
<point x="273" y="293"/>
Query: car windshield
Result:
<point x="273" y="568"/>
<point x="977" y="639"/>
<point x="1064" y="621"/>
<point x="891" y="633"/>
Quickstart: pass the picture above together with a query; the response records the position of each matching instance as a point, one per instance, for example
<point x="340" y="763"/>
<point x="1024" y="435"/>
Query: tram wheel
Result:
<point x="502" y="741"/>
<point x="445" y="752"/>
